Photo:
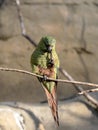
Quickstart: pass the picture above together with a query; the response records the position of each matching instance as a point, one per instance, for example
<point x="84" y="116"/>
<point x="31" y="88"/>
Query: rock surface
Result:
<point x="73" y="115"/>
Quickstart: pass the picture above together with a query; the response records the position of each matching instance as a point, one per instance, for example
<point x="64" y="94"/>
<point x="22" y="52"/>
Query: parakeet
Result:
<point x="45" y="62"/>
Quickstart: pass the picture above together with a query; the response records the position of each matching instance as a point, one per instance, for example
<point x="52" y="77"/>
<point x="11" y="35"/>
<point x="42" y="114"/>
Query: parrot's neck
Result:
<point x="44" y="51"/>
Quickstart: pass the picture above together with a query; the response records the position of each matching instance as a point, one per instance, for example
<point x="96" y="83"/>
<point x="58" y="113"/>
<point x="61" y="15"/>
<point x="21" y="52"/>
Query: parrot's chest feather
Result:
<point x="43" y="60"/>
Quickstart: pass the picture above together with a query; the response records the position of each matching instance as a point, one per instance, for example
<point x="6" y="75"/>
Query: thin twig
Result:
<point x="80" y="89"/>
<point x="88" y="91"/>
<point x="22" y="26"/>
<point x="59" y="80"/>
<point x="83" y="29"/>
<point x="49" y="79"/>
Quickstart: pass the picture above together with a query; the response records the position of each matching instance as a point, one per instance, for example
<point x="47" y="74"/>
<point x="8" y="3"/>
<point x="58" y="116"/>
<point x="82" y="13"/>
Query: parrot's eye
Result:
<point x="48" y="47"/>
<point x="46" y="42"/>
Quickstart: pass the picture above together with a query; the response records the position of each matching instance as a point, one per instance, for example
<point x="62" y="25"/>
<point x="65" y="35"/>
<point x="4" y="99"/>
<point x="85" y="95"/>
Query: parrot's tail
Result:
<point x="52" y="101"/>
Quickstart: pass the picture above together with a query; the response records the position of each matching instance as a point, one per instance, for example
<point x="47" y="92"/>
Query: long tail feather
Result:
<point x="52" y="101"/>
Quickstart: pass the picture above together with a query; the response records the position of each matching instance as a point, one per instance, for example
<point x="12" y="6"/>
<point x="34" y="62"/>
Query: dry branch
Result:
<point x="22" y="26"/>
<point x="88" y="91"/>
<point x="80" y="89"/>
<point x="49" y="79"/>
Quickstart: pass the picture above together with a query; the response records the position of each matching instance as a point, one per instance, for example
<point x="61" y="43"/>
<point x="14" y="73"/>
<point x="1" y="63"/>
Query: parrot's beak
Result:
<point x="49" y="49"/>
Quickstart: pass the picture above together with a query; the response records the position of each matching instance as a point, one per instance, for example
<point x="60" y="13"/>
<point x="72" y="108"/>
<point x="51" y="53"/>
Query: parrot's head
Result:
<point x="47" y="44"/>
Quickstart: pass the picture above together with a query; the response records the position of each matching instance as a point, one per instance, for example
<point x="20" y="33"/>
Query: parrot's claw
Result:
<point x="44" y="78"/>
<point x="51" y="63"/>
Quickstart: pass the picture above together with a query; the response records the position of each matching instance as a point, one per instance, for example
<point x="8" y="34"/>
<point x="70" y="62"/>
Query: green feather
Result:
<point x="40" y="57"/>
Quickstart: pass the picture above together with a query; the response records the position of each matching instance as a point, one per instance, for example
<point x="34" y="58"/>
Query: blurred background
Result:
<point x="73" y="23"/>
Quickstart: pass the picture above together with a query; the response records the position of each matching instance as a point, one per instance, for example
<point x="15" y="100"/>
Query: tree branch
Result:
<point x="80" y="89"/>
<point x="88" y="91"/>
<point x="49" y="79"/>
<point x="22" y="26"/>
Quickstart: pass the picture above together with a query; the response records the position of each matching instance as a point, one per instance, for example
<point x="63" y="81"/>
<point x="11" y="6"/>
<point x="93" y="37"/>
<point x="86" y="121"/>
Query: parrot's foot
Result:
<point x="51" y="63"/>
<point x="44" y="78"/>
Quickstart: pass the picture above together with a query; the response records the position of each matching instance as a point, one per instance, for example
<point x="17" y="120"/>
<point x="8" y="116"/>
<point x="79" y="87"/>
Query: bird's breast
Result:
<point x="42" y="61"/>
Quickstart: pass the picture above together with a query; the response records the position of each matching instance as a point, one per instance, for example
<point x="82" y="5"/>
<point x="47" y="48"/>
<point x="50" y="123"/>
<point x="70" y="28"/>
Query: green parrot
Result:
<point x="45" y="62"/>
